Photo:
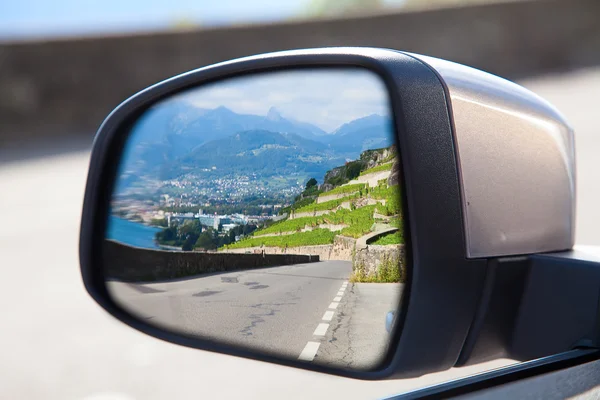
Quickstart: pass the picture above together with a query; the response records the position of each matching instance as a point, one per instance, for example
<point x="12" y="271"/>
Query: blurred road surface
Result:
<point x="57" y="344"/>
<point x="304" y="311"/>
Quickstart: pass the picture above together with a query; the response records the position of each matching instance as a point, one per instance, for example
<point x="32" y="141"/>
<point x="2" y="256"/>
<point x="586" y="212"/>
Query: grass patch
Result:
<point x="383" y="191"/>
<point x="379" y="168"/>
<point x="397" y="222"/>
<point x="357" y="187"/>
<point x="310" y="238"/>
<point x="391" y="195"/>
<point x="390" y="238"/>
<point x="328" y="205"/>
<point x="359" y="221"/>
<point x="387" y="272"/>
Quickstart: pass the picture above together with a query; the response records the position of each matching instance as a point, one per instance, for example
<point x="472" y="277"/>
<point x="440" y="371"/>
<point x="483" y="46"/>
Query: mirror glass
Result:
<point x="264" y="212"/>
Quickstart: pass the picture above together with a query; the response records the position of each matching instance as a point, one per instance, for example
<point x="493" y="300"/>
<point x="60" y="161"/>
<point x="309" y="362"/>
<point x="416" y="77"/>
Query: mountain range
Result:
<point x="177" y="136"/>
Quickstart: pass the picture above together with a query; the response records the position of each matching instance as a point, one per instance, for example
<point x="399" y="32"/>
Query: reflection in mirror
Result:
<point x="264" y="212"/>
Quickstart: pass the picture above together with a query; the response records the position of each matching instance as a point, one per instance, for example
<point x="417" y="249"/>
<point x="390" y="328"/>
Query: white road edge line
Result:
<point x="328" y="316"/>
<point x="321" y="330"/>
<point x="309" y="352"/>
<point x="333" y="305"/>
<point x="338" y="298"/>
<point x="340" y="293"/>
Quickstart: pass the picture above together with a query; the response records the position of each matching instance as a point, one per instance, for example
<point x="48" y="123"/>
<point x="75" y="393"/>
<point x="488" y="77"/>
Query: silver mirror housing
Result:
<point x="516" y="157"/>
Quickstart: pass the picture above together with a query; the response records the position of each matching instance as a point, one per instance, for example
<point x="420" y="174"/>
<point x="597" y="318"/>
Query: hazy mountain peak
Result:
<point x="360" y="123"/>
<point x="222" y="110"/>
<point x="274" y="115"/>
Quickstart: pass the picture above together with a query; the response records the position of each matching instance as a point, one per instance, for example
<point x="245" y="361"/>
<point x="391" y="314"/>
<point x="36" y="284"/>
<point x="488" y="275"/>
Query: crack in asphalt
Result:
<point x="259" y="287"/>
<point x="348" y="354"/>
<point x="257" y="318"/>
<point x="340" y="340"/>
<point x="144" y="289"/>
<point x="206" y="293"/>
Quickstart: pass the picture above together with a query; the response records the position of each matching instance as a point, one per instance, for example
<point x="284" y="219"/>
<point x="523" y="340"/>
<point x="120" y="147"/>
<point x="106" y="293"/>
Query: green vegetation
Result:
<point x="159" y="222"/>
<point x="388" y="272"/>
<point x="192" y="235"/>
<point x="340" y="175"/>
<point x="397" y="223"/>
<point x="328" y="205"/>
<point x="290" y="225"/>
<point x="383" y="191"/>
<point x="359" y="222"/>
<point x="379" y="168"/>
<point x="391" y="195"/>
<point x="309" y="192"/>
<point x="311" y="183"/>
<point x="358" y="187"/>
<point x="390" y="238"/>
<point x="310" y="238"/>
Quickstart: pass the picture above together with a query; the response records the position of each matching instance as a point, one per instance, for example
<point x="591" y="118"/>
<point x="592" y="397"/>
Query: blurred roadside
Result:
<point x="65" y="87"/>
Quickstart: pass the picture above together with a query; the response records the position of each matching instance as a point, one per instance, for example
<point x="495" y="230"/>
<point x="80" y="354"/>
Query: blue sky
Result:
<point x="38" y="18"/>
<point x="20" y="18"/>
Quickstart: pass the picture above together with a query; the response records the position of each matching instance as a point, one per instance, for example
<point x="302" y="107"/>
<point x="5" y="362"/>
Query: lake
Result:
<point x="131" y="233"/>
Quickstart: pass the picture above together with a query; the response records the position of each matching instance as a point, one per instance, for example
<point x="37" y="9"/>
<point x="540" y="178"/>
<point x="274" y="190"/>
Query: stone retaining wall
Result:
<point x="371" y="179"/>
<point x="341" y="249"/>
<point x="136" y="264"/>
<point x="328" y="197"/>
<point x="369" y="259"/>
<point x="309" y="214"/>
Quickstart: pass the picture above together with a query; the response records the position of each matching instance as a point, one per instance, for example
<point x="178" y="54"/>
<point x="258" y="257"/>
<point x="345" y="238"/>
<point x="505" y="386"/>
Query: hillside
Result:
<point x="352" y="209"/>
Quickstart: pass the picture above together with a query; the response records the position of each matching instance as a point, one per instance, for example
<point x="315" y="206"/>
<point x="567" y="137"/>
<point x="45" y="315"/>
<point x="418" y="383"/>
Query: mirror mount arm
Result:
<point x="536" y="306"/>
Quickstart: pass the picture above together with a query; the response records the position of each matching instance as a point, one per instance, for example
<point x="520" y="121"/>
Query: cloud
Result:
<point x="327" y="98"/>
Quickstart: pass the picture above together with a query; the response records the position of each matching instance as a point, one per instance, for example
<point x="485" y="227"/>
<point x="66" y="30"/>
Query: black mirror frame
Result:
<point x="444" y="287"/>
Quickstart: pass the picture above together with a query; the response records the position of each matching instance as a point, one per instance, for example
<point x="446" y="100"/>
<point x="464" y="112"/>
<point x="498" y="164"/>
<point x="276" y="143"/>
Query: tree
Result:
<point x="353" y="169"/>
<point x="205" y="241"/>
<point x="190" y="240"/>
<point x="311" y="182"/>
<point x="166" y="235"/>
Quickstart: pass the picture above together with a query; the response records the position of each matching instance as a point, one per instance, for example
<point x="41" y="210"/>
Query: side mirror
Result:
<point x="357" y="211"/>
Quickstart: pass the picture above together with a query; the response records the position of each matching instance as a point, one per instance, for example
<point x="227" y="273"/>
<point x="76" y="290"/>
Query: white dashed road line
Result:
<point x="321" y="330"/>
<point x="328" y="316"/>
<point x="310" y="350"/>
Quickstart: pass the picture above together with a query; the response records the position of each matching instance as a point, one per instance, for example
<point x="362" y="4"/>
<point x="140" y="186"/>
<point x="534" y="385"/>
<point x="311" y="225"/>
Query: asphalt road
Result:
<point x="278" y="310"/>
<point x="58" y="344"/>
